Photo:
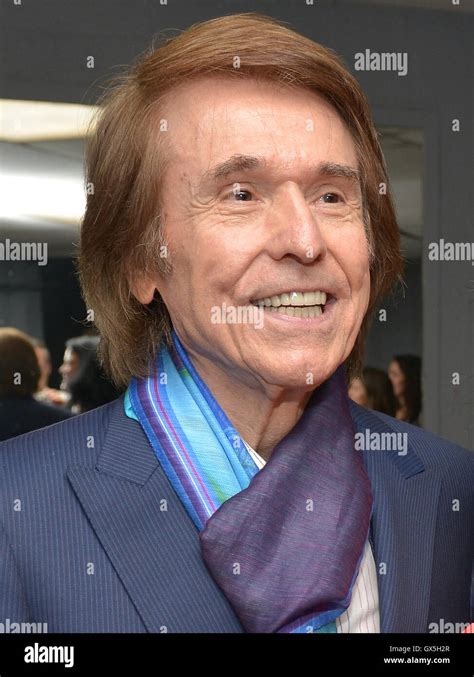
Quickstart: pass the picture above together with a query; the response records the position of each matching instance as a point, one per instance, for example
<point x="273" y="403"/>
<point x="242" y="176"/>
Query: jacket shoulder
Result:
<point x="434" y="451"/>
<point x="75" y="439"/>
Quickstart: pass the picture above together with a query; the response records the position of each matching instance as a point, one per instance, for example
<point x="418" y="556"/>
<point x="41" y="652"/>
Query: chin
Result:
<point x="297" y="375"/>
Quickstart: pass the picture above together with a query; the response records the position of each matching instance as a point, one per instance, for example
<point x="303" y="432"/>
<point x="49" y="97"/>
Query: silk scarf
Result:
<point x="283" y="543"/>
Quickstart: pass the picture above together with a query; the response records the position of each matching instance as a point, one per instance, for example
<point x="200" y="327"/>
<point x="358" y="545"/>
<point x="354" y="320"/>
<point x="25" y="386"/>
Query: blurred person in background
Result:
<point x="45" y="393"/>
<point x="19" y="377"/>
<point x="82" y="376"/>
<point x="358" y="391"/>
<point x="44" y="361"/>
<point x="404" y="373"/>
<point x="374" y="391"/>
<point x="379" y="390"/>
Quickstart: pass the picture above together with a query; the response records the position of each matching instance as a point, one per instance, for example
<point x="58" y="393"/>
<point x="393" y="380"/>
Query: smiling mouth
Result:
<point x="295" y="303"/>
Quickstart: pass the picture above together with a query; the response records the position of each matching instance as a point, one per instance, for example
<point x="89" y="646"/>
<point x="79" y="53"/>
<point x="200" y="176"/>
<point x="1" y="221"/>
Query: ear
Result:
<point x="143" y="290"/>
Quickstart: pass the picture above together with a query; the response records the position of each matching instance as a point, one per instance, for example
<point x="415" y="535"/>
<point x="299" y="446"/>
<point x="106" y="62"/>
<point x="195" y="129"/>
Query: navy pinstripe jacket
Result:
<point x="94" y="539"/>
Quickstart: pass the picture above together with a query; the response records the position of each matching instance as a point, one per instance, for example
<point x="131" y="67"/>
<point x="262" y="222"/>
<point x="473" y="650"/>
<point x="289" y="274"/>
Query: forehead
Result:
<point x="213" y="118"/>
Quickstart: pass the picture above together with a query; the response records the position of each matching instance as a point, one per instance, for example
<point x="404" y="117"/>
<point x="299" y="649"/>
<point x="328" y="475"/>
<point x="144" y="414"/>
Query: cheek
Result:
<point x="204" y="276"/>
<point x="358" y="276"/>
<point x="224" y="266"/>
<point x="350" y="249"/>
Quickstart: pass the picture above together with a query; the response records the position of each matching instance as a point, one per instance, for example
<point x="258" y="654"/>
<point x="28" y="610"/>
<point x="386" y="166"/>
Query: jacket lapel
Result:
<point x="406" y="496"/>
<point x="147" y="534"/>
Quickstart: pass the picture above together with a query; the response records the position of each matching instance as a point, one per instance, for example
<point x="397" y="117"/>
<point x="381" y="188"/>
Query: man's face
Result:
<point x="263" y="232"/>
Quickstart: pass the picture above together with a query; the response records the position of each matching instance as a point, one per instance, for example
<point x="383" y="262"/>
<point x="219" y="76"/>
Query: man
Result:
<point x="233" y="249"/>
<point x="20" y="375"/>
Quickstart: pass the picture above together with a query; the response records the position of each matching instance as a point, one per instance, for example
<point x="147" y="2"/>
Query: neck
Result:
<point x="277" y="418"/>
<point x="261" y="415"/>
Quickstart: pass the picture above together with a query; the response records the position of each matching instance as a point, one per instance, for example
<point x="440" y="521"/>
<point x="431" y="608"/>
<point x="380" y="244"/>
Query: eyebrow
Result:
<point x="243" y="163"/>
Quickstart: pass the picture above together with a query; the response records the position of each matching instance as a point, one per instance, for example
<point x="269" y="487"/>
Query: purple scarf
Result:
<point x="289" y="546"/>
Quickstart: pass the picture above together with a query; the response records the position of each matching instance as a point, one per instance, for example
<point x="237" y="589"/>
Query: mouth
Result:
<point x="306" y="304"/>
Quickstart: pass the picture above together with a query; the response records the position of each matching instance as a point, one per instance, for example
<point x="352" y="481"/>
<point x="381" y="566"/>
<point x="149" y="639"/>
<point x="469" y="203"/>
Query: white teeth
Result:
<point x="297" y="299"/>
<point x="294" y="299"/>
<point x="308" y="311"/>
<point x="276" y="301"/>
<point x="320" y="297"/>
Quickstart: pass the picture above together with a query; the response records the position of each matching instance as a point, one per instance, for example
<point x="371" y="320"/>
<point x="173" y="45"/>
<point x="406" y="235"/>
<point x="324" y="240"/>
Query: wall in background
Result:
<point x="401" y="332"/>
<point x="21" y="297"/>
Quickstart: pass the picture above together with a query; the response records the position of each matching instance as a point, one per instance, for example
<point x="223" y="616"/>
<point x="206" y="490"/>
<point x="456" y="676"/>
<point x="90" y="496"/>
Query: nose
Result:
<point x="294" y="229"/>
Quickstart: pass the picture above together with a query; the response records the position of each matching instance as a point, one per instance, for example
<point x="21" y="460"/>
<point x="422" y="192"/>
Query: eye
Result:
<point x="241" y="195"/>
<point x="334" y="198"/>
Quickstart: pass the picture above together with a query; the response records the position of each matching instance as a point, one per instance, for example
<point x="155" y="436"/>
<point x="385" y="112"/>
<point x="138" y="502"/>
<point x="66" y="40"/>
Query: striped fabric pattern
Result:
<point x="362" y="615"/>
<point x="180" y="420"/>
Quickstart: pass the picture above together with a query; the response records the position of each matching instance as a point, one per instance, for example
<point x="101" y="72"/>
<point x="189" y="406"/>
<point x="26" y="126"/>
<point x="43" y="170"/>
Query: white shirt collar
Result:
<point x="256" y="457"/>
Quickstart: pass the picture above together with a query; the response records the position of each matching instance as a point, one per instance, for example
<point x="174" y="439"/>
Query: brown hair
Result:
<point x="19" y="368"/>
<point x="122" y="231"/>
